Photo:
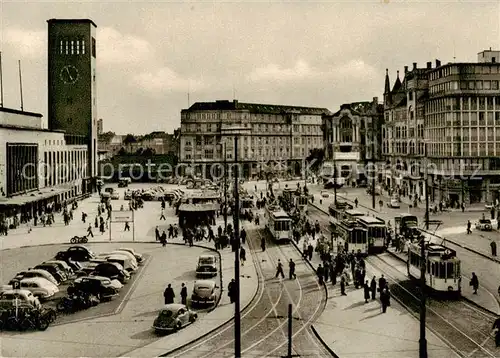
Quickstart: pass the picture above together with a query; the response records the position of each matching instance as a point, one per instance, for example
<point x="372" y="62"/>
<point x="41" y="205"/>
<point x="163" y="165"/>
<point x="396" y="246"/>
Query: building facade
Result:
<point x="72" y="92"/>
<point x="444" y="121"/>
<point x="276" y="138"/>
<point x="351" y="137"/>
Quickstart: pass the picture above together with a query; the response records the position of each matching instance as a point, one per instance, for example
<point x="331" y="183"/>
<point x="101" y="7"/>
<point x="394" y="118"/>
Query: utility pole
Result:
<point x="225" y="188"/>
<point x="289" y="330"/>
<point x="335" y="179"/>
<point x="373" y="165"/>
<point x="423" y="266"/>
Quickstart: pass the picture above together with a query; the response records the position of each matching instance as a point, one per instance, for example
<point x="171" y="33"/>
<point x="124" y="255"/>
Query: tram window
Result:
<point x="277" y="226"/>
<point x="428" y="266"/>
<point x="442" y="270"/>
<point x="457" y="265"/>
<point x="449" y="270"/>
<point x="433" y="268"/>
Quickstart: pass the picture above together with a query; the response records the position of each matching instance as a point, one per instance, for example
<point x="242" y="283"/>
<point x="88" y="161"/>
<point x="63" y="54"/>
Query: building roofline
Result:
<point x="24" y="128"/>
<point x="68" y="21"/>
<point x="464" y="64"/>
<point x="18" y="111"/>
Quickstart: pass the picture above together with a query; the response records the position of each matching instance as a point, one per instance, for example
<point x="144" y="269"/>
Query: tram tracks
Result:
<point x="464" y="327"/>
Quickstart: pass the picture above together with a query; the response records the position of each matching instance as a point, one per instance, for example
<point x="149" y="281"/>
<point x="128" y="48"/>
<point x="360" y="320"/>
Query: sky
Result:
<point x="152" y="54"/>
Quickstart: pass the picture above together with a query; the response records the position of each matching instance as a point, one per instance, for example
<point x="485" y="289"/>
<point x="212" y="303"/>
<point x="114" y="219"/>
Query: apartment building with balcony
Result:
<point x="403" y="131"/>
<point x="463" y="130"/>
<point x="277" y="137"/>
<point x="352" y="139"/>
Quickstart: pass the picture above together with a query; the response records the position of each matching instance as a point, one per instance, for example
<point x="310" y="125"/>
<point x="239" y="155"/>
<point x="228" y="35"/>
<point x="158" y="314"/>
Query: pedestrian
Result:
<point x="474" y="282"/>
<point x="162" y="215"/>
<point x="469" y="231"/>
<point x="184" y="294"/>
<point x="381" y="283"/>
<point x="279" y="270"/>
<point x="373" y="287"/>
<point x="243" y="256"/>
<point x="356" y="202"/>
<point x="170" y="231"/>
<point x="231" y="291"/>
<point x="89" y="231"/>
<point x="291" y="270"/>
<point x="157" y="234"/>
<point x="263" y="244"/>
<point x="385" y="299"/>
<point x="496" y="328"/>
<point x="493" y="245"/>
<point x="163" y="239"/>
<point x="320" y="272"/>
<point x="310" y="250"/>
<point x="127" y="226"/>
<point x="243" y="235"/>
<point x="366" y="289"/>
<point x="342" y="286"/>
<point x="169" y="294"/>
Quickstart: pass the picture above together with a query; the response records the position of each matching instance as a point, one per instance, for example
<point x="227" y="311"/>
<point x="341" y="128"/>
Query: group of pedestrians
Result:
<point x="169" y="294"/>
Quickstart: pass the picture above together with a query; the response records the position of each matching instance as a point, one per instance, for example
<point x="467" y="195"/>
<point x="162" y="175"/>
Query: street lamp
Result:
<point x="423" y="265"/>
<point x="236" y="132"/>
<point x="223" y="147"/>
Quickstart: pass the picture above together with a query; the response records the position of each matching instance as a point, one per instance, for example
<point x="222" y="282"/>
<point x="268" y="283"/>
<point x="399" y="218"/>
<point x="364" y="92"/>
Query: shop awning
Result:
<point x="45" y="193"/>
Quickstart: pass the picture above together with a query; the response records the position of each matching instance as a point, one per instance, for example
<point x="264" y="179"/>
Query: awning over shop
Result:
<point x="45" y="193"/>
<point x="199" y="207"/>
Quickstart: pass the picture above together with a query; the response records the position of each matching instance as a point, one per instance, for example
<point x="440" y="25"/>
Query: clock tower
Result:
<point x="72" y="100"/>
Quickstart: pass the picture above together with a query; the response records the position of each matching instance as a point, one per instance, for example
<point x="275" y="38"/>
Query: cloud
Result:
<point x="117" y="48"/>
<point x="303" y="71"/>
<point x="30" y="44"/>
<point x="166" y="79"/>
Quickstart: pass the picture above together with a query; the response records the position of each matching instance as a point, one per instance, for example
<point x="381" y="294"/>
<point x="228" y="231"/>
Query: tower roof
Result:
<point x="397" y="84"/>
<point x="71" y="21"/>
<point x="387" y="87"/>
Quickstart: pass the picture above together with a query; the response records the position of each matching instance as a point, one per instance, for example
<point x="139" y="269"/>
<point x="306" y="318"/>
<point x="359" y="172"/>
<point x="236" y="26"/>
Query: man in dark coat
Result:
<point x="263" y="244"/>
<point x="243" y="256"/>
<point x="381" y="283"/>
<point x="385" y="299"/>
<point x="157" y="234"/>
<point x="243" y="235"/>
<point x="320" y="272"/>
<point x="373" y="287"/>
<point x="184" y="294"/>
<point x="342" y="286"/>
<point x="231" y="291"/>
<point x="279" y="270"/>
<point x="169" y="294"/>
<point x="366" y="289"/>
<point x="291" y="270"/>
<point x="474" y="282"/>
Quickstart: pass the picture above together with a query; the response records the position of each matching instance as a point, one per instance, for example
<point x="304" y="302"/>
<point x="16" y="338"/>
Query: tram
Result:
<point x="353" y="214"/>
<point x="294" y="198"/>
<point x="377" y="232"/>
<point x="278" y="223"/>
<point x="442" y="274"/>
<point x="337" y="210"/>
<point x="354" y="236"/>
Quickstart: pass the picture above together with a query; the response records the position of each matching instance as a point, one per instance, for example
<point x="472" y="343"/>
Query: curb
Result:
<point x="220" y="325"/>
<point x="462" y="297"/>
<point x="316" y="334"/>
<point x="93" y="242"/>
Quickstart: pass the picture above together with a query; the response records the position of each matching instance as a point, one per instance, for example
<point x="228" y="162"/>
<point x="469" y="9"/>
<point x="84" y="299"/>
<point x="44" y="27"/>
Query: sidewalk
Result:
<point x="352" y="328"/>
<point x="483" y="298"/>
<point x="223" y="314"/>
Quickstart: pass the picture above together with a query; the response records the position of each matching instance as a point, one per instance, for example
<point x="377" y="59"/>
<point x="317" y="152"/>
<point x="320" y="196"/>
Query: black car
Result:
<point x="101" y="287"/>
<point x="76" y="253"/>
<point x="113" y="271"/>
<point x="54" y="271"/>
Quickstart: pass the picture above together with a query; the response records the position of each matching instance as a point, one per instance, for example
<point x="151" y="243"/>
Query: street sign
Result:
<point x="16" y="285"/>
<point x="122" y="216"/>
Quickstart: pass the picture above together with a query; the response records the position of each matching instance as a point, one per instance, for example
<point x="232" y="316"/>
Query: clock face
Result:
<point x="69" y="74"/>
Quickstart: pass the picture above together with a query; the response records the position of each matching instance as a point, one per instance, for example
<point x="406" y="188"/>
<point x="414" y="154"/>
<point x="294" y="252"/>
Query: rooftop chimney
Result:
<point x="414" y="65"/>
<point x="438" y="63"/>
<point x="429" y="65"/>
<point x="406" y="69"/>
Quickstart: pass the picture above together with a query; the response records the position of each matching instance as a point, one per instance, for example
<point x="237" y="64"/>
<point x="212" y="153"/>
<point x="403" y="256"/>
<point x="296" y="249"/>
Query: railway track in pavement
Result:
<point x="466" y="328"/>
<point x="264" y="324"/>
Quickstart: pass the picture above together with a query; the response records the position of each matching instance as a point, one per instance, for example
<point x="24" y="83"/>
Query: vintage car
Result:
<point x="34" y="273"/>
<point x="394" y="203"/>
<point x="127" y="195"/>
<point x="205" y="292"/>
<point x="484" y="225"/>
<point x="137" y="255"/>
<point x="75" y="253"/>
<point x="63" y="266"/>
<point x="23" y="298"/>
<point x="101" y="287"/>
<point x="39" y="287"/>
<point x="173" y="317"/>
<point x="324" y="194"/>
<point x="207" y="266"/>
<point x="113" y="271"/>
<point x="54" y="270"/>
<point x="128" y="254"/>
<point x="115" y="195"/>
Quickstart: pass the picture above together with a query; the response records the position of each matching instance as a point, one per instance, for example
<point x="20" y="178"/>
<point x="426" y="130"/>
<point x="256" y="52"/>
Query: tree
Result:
<point x="129" y="139"/>
<point x="148" y="152"/>
<point x="315" y="159"/>
<point x="122" y="151"/>
<point x="139" y="151"/>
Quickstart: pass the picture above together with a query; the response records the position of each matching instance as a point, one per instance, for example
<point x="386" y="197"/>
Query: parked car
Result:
<point x="127" y="195"/>
<point x="101" y="287"/>
<point x="207" y="266"/>
<point x="137" y="255"/>
<point x="173" y="317"/>
<point x="76" y="253"/>
<point x="75" y="265"/>
<point x="63" y="266"/>
<point x="484" y="225"/>
<point x="39" y="287"/>
<point x="24" y="298"/>
<point x="34" y="273"/>
<point x="125" y="261"/>
<point x="205" y="292"/>
<point x="112" y="270"/>
<point x="54" y="270"/>
<point x="394" y="203"/>
<point x="489" y="206"/>
<point x="115" y="195"/>
<point x="128" y="254"/>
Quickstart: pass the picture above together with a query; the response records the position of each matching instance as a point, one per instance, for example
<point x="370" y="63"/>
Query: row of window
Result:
<point x="489" y="103"/>
<point x="75" y="46"/>
<point x="211" y="140"/>
<point x="262" y="127"/>
<point x="465" y="69"/>
<point x="256" y="117"/>
<point x="463" y="119"/>
<point x="464" y="85"/>
<point x="464" y="149"/>
<point x="64" y="166"/>
<point x="248" y="153"/>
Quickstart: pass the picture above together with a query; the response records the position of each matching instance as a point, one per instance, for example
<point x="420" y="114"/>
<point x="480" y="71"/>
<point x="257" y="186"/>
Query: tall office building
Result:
<point x="72" y="98"/>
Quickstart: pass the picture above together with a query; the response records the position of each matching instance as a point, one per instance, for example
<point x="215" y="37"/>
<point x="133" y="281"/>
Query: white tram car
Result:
<point x="355" y="237"/>
<point x="442" y="273"/>
<point x="377" y="232"/>
<point x="278" y="223"/>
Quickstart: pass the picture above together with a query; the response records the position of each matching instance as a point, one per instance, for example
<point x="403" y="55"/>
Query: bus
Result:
<point x="406" y="224"/>
<point x="442" y="274"/>
<point x="354" y="236"/>
<point x="278" y="223"/>
<point x="377" y="232"/>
